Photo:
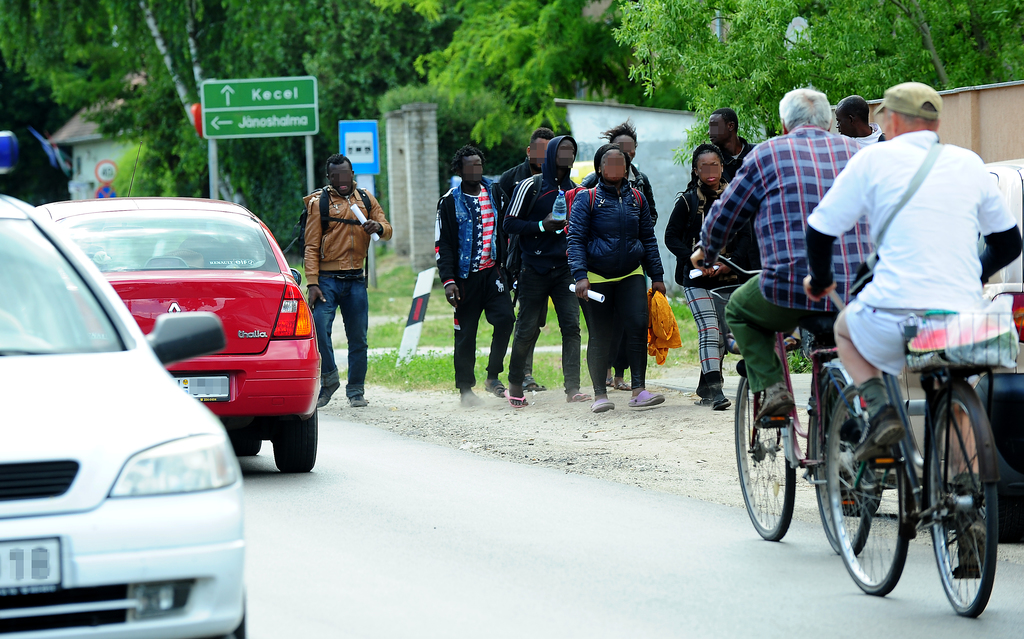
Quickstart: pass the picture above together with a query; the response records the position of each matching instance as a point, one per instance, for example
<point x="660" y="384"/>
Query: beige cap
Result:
<point x="913" y="99"/>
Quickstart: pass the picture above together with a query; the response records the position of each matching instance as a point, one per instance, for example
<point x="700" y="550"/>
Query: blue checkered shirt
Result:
<point x="779" y="184"/>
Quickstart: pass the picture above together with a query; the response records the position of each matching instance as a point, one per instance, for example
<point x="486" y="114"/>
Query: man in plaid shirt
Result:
<point x="779" y="184"/>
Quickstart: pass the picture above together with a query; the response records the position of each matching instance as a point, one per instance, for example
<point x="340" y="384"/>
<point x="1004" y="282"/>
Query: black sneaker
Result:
<point x="884" y="431"/>
<point x="325" y="394"/>
<point x="357" y="402"/>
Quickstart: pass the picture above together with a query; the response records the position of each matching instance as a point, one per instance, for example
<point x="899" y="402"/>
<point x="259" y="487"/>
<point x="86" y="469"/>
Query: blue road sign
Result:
<point x="105" y="191"/>
<point x="360" y="143"/>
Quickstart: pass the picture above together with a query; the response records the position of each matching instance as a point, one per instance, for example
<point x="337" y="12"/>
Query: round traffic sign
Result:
<point x="105" y="191"/>
<point x="106" y="171"/>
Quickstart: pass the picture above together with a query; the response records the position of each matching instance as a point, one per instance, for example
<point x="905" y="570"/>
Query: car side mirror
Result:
<point x="180" y="336"/>
<point x="297" y="277"/>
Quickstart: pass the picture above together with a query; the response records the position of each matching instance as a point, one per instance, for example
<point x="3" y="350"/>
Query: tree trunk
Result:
<point x="918" y="18"/>
<point x="161" y="46"/>
<point x="193" y="49"/>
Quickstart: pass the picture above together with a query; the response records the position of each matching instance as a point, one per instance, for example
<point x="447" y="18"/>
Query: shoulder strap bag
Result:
<point x="866" y="271"/>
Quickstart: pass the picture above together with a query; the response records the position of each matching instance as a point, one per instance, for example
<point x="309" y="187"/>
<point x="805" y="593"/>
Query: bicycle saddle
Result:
<point x="821" y="327"/>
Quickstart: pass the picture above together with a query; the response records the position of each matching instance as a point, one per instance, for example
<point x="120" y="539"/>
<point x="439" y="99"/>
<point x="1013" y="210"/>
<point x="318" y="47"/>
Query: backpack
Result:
<point x="299" y="230"/>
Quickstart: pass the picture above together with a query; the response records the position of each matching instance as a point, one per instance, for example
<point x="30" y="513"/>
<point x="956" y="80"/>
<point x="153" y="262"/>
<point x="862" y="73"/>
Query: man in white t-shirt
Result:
<point x="852" y="121"/>
<point x="929" y="256"/>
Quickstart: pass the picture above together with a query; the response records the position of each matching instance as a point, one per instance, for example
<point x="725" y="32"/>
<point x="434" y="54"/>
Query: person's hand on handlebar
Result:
<point x="819" y="294"/>
<point x="697" y="259"/>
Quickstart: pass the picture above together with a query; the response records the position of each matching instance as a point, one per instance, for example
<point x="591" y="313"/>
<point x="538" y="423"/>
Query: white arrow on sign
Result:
<point x="226" y="92"/>
<point x="216" y="122"/>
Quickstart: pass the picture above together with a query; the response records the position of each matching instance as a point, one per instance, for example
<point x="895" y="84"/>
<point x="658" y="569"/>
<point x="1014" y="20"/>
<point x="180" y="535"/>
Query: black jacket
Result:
<point x="683" y="234"/>
<point x="541" y="250"/>
<point x="508" y="180"/>
<point x="733" y="164"/>
<point x="638" y="179"/>
<point x="612" y="236"/>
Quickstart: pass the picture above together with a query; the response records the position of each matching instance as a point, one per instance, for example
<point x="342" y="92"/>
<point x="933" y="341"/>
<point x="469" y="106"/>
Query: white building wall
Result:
<point x="84" y="158"/>
<point x="660" y="133"/>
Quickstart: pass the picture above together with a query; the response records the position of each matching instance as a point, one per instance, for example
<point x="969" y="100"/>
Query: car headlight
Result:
<point x="200" y="462"/>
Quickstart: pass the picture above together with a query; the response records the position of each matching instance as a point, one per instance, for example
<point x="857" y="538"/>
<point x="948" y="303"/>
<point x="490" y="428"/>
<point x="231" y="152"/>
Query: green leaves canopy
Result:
<point x="848" y="47"/>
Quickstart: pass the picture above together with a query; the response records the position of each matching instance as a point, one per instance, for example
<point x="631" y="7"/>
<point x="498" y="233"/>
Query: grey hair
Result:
<point x="805" y="106"/>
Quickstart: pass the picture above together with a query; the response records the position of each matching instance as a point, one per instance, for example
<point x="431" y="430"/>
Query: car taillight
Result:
<point x="1018" y="312"/>
<point x="294" y="319"/>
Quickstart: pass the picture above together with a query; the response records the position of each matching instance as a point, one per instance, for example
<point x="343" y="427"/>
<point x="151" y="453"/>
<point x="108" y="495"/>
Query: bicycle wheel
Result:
<point x="817" y="433"/>
<point x="865" y="502"/>
<point x="768" y="482"/>
<point x="966" y="529"/>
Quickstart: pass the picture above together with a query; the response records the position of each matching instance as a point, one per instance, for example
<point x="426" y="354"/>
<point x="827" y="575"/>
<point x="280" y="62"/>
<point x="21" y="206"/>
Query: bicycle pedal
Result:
<point x="774" y="422"/>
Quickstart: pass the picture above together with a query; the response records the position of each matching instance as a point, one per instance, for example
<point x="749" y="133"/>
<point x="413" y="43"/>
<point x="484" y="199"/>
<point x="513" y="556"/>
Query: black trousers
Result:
<point x="534" y="290"/>
<point x="626" y="299"/>
<point x="482" y="292"/>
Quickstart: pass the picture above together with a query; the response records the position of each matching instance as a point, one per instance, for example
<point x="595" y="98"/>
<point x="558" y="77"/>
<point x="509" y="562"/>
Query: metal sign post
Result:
<point x="259" y="108"/>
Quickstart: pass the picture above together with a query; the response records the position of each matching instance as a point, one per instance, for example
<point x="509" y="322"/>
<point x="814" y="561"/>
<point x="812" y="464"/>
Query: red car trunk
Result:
<point x="247" y="302"/>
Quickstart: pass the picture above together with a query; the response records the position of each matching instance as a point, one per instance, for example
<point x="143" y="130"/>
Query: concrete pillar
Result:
<point x="421" y="178"/>
<point x="397" y="186"/>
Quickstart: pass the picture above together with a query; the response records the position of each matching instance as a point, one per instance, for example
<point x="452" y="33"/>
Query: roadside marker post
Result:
<point x="417" y="313"/>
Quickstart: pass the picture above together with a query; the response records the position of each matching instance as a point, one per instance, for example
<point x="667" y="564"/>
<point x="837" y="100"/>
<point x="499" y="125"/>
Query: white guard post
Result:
<point x="417" y="313"/>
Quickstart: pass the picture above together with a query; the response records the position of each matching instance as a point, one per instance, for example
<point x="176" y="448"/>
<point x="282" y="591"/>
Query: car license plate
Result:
<point x="29" y="562"/>
<point x="206" y="389"/>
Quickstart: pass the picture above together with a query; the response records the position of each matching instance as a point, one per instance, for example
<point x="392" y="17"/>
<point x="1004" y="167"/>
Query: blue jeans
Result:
<point x="350" y="297"/>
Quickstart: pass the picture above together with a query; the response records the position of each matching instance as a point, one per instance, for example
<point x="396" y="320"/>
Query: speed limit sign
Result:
<point x="106" y="171"/>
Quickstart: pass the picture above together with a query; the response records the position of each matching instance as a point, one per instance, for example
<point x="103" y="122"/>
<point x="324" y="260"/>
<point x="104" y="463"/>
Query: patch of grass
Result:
<point x="436" y="371"/>
<point x="798" y="363"/>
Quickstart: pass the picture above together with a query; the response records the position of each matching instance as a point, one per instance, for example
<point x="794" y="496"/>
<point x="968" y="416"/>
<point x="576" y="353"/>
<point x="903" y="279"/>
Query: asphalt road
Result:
<point x="391" y="537"/>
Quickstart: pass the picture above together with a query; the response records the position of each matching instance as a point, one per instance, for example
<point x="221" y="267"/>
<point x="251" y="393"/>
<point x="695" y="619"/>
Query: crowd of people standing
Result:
<point x="534" y="235"/>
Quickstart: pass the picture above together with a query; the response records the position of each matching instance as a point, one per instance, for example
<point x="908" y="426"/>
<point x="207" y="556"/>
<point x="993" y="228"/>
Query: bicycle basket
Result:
<point x="971" y="339"/>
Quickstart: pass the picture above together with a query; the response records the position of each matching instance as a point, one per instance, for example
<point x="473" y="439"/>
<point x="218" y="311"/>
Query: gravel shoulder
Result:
<point x="676" y="447"/>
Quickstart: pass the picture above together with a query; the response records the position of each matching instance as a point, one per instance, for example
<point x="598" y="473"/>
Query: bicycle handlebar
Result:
<point x="840" y="305"/>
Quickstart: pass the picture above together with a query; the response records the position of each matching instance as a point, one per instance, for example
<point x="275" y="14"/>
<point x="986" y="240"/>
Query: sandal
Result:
<point x="516" y="402"/>
<point x="601" y="406"/>
<point x="578" y="397"/>
<point x="623" y="385"/>
<point x="609" y="382"/>
<point x="530" y="384"/>
<point x="495" y="387"/>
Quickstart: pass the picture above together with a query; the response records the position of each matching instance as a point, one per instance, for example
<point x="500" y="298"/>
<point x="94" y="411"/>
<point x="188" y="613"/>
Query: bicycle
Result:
<point x="768" y="452"/>
<point x="879" y="505"/>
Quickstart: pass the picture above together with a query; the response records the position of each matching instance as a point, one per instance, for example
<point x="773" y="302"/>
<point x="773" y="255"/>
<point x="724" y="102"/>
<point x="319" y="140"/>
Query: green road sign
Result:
<point x="260" y="107"/>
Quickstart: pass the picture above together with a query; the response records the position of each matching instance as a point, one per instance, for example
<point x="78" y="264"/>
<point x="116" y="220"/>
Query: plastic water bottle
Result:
<point x="558" y="210"/>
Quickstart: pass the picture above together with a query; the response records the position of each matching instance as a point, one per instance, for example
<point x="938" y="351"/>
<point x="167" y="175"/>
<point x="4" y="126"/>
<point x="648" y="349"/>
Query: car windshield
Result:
<point x="45" y="307"/>
<point x="173" y="240"/>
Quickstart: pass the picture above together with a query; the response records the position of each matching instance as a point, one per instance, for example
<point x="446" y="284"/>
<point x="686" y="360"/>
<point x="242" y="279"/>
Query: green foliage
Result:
<point x="798" y="363"/>
<point x="103" y="53"/>
<point x="849" y="46"/>
<point x="529" y="52"/>
<point x="23" y="103"/>
<point x="457" y="115"/>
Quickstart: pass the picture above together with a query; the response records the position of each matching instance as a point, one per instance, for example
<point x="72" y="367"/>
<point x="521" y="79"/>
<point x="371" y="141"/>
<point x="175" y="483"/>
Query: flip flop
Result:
<point x="601" y="406"/>
<point x="516" y="402"/>
<point x="623" y="385"/>
<point x="578" y="397"/>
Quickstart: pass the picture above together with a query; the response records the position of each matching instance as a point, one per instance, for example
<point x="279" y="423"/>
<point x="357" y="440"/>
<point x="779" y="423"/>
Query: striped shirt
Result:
<point x="482" y="210"/>
<point x="780" y="183"/>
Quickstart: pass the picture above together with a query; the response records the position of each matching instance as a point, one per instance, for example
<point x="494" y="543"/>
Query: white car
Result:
<point x="120" y="496"/>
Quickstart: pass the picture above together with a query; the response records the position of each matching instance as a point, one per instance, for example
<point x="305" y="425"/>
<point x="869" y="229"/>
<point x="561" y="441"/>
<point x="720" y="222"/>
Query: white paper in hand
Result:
<point x="361" y="218"/>
<point x="597" y="297"/>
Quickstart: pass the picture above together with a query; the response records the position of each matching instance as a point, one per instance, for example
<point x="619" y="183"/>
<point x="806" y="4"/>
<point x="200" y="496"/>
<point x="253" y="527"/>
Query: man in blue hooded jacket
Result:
<point x="545" y="270"/>
<point x="469" y="247"/>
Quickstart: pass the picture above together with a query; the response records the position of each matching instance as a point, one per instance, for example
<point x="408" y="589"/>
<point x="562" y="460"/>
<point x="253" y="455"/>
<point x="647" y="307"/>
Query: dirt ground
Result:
<point x="676" y="447"/>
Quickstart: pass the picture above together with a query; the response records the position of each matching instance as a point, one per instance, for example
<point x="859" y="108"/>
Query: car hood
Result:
<point x="98" y="409"/>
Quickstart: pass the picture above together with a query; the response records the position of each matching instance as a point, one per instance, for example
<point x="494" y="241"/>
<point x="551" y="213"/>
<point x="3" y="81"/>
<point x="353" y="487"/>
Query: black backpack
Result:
<point x="299" y="230"/>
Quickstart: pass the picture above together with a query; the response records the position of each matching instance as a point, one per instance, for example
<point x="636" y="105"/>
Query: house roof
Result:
<point x="76" y="130"/>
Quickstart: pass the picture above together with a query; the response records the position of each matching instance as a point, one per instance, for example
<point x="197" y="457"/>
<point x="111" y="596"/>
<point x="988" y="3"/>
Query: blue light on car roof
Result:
<point x="8" y="151"/>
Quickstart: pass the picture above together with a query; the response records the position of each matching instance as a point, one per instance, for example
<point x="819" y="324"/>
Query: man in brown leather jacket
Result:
<point x="334" y="274"/>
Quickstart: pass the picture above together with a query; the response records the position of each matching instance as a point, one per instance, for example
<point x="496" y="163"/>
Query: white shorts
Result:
<point x="877" y="336"/>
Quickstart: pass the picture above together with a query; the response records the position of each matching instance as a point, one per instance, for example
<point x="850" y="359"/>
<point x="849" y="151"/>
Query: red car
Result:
<point x="167" y="255"/>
